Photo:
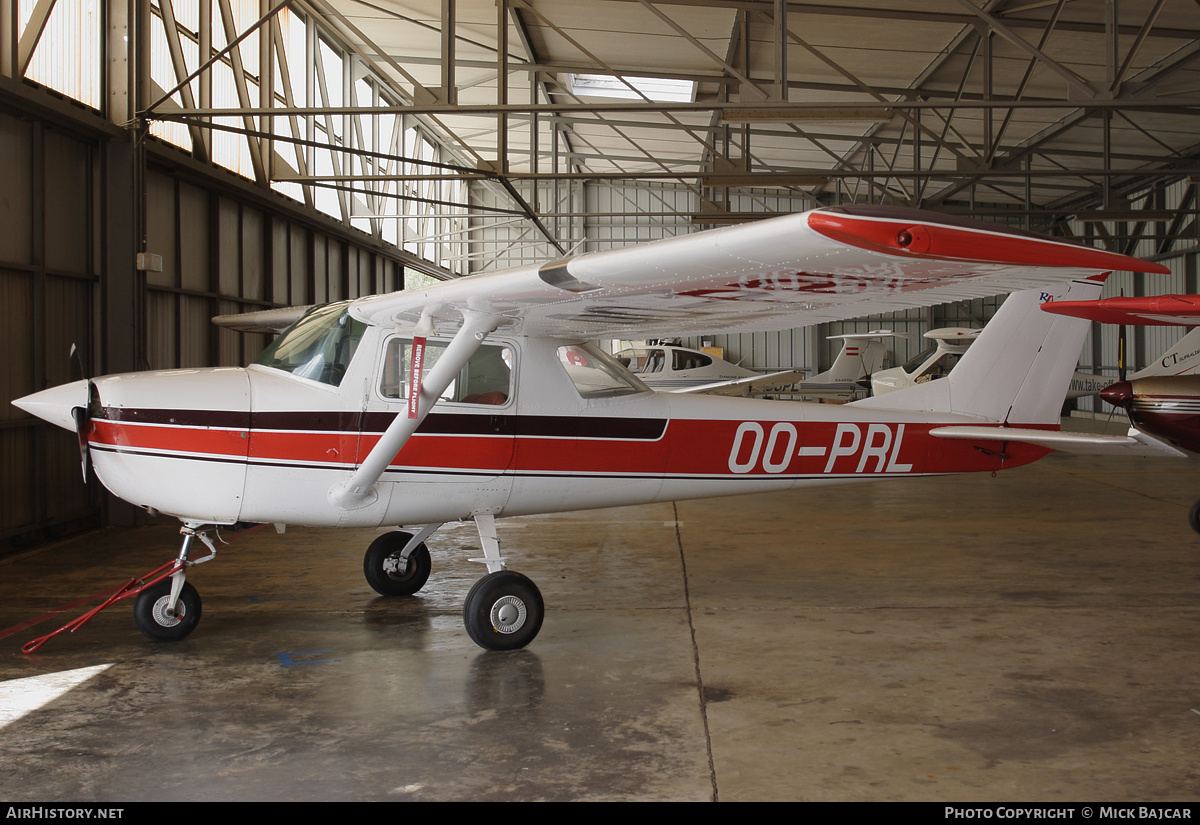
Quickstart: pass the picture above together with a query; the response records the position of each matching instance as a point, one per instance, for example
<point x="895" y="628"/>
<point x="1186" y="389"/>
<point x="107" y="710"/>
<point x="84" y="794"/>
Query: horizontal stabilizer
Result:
<point x="1135" y="443"/>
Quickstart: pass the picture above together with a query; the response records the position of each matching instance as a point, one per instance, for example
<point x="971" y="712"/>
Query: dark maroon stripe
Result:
<point x="546" y="426"/>
<point x="227" y="419"/>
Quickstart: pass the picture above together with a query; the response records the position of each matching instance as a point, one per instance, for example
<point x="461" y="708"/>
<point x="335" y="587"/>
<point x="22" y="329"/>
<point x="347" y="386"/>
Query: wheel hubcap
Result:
<point x="508" y="614"/>
<point x="396" y="567"/>
<point x="165" y="618"/>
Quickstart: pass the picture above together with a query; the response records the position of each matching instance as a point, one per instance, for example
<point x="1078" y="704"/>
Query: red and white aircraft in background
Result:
<point x="480" y="398"/>
<point x="1165" y="403"/>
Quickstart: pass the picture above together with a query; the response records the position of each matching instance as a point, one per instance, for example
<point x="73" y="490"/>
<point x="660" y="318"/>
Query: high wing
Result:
<point x="825" y="265"/>
<point x="1155" y="310"/>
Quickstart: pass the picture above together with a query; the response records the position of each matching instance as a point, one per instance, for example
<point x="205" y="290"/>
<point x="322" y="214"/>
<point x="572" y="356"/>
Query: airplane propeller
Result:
<point x="83" y="415"/>
<point x="1121" y="352"/>
<point x="1119" y="394"/>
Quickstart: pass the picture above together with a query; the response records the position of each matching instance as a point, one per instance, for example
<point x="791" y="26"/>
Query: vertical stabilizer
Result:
<point x="1019" y="368"/>
<point x="1181" y="359"/>
<point x="861" y="355"/>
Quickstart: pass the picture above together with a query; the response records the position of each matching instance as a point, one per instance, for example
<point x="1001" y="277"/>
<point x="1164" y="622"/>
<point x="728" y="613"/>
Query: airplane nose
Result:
<point x="1118" y="394"/>
<point x="55" y="404"/>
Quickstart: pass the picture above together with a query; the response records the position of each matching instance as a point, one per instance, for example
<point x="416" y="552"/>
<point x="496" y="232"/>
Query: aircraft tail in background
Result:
<point x="1017" y="371"/>
<point x="861" y="355"/>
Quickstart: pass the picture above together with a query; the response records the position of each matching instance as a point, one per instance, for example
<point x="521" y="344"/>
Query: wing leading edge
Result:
<point x="826" y="265"/>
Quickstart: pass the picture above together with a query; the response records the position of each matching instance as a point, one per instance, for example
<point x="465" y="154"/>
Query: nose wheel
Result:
<point x="158" y="621"/>
<point x="156" y="614"/>
<point x="503" y="611"/>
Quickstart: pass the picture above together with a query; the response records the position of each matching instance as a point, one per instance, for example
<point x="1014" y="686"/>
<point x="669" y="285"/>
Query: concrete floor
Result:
<point x="1025" y="637"/>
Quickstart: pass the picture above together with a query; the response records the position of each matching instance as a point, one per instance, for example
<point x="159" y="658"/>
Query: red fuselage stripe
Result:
<point x="687" y="447"/>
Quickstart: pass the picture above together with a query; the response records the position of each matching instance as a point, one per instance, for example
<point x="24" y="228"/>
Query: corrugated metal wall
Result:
<point x="221" y="253"/>
<point x="48" y="297"/>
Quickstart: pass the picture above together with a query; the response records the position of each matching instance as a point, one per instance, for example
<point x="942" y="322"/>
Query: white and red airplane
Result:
<point x="1163" y="400"/>
<point x="480" y="398"/>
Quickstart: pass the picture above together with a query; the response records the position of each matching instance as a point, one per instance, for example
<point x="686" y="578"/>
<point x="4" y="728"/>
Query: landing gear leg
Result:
<point x="504" y="609"/>
<point x="169" y="610"/>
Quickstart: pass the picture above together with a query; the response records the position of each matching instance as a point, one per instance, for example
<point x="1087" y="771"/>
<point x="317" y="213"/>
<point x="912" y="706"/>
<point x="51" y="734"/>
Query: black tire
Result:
<point x="503" y="611"/>
<point x="385" y="583"/>
<point x="1194" y="517"/>
<point x="150" y="617"/>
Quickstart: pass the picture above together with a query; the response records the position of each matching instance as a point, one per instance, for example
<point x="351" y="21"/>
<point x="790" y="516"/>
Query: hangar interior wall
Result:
<point x="49" y="279"/>
<point x="224" y="249"/>
<point x="222" y="255"/>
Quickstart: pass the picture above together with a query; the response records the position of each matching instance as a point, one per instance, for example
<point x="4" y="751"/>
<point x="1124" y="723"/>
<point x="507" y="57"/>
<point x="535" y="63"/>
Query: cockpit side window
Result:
<point x="596" y="374"/>
<point x="642" y="361"/>
<point x="318" y="347"/>
<point x="486" y="379"/>
<point x="683" y="360"/>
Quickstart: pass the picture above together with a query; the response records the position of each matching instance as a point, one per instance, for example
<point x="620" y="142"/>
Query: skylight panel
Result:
<point x="658" y="89"/>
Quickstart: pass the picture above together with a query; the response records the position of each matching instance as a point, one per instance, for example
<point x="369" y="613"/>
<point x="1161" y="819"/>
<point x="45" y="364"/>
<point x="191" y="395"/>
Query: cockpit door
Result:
<point x="468" y="436"/>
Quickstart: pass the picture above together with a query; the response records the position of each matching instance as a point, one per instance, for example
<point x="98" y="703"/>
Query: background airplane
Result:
<point x="673" y="368"/>
<point x="937" y="361"/>
<point x="1165" y="402"/>
<point x="950" y="344"/>
<point x="480" y="398"/>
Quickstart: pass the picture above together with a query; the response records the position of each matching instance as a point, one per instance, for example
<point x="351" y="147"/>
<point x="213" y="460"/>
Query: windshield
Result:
<point x="319" y="346"/>
<point x="910" y="366"/>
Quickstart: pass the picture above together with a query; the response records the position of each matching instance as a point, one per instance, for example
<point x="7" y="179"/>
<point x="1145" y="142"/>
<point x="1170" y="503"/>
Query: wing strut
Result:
<point x="359" y="491"/>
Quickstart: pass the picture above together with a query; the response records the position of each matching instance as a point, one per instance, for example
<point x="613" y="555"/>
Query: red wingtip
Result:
<point x="913" y="232"/>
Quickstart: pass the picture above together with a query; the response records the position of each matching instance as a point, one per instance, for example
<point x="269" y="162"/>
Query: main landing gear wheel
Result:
<point x="503" y="611"/>
<point x="1194" y="517"/>
<point x="150" y="612"/>
<point x="388" y="574"/>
